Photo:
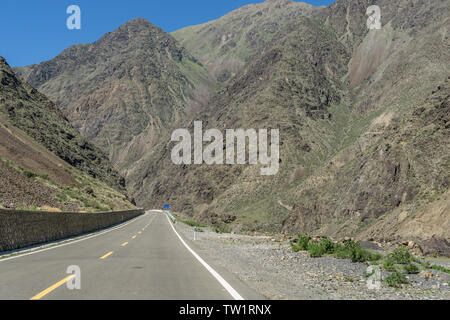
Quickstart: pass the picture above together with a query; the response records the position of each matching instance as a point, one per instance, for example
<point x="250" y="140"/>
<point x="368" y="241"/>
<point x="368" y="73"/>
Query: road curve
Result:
<point x="143" y="259"/>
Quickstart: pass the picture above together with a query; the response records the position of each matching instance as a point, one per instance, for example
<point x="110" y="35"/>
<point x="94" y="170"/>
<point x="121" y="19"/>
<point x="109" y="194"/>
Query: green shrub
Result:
<point x="424" y="264"/>
<point x="389" y="265"/>
<point x="302" y="243"/>
<point x="360" y="255"/>
<point x="328" y="246"/>
<point x="341" y="252"/>
<point x="352" y="250"/>
<point x="401" y="256"/>
<point x="351" y="246"/>
<point x="396" y="280"/>
<point x="376" y="257"/>
<point x="440" y="268"/>
<point x="193" y="224"/>
<point x="349" y="250"/>
<point x="29" y="174"/>
<point x="411" y="268"/>
<point x="315" y="249"/>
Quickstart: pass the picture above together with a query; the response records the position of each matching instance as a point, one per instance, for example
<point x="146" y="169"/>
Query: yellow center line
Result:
<point x="140" y="232"/>
<point x="107" y="255"/>
<point x="68" y="278"/>
<point x="53" y="287"/>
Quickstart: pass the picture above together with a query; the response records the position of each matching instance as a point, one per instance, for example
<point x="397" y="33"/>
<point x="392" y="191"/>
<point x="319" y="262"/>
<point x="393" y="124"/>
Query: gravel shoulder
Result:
<point x="269" y="266"/>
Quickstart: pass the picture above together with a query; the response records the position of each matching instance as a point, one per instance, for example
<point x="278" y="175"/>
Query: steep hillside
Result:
<point x="44" y="163"/>
<point x="32" y="112"/>
<point x="335" y="90"/>
<point x="391" y="73"/>
<point x="123" y="91"/>
<point x="225" y="45"/>
<point x="394" y="182"/>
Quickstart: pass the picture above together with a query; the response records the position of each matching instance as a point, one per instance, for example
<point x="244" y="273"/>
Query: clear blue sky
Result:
<point x="32" y="31"/>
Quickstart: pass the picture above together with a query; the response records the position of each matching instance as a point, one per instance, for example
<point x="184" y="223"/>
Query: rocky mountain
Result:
<point x="393" y="182"/>
<point x="123" y="91"/>
<point x="44" y="162"/>
<point x="394" y="72"/>
<point x="275" y="90"/>
<point x="345" y="100"/>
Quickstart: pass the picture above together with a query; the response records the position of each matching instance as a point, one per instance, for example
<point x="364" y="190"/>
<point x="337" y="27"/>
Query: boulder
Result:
<point x="435" y="247"/>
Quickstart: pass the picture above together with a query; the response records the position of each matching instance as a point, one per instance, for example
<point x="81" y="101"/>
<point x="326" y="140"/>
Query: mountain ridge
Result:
<point x="125" y="89"/>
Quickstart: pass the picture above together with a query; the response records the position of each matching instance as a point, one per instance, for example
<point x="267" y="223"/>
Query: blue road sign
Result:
<point x="167" y="206"/>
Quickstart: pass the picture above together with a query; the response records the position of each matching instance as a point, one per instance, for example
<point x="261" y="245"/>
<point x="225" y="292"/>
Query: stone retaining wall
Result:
<point x="19" y="229"/>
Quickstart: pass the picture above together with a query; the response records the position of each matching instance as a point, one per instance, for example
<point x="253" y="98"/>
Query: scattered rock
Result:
<point x="228" y="218"/>
<point x="370" y="246"/>
<point x="426" y="275"/>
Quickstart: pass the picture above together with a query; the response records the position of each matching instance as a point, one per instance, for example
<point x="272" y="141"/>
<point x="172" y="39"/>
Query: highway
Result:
<point x="143" y="259"/>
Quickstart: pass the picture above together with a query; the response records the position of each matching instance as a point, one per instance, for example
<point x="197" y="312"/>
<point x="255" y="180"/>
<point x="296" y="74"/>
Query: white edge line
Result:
<point x="222" y="281"/>
<point x="70" y="242"/>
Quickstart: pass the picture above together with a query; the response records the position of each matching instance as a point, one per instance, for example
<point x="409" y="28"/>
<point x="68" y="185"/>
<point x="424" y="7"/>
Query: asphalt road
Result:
<point x="143" y="259"/>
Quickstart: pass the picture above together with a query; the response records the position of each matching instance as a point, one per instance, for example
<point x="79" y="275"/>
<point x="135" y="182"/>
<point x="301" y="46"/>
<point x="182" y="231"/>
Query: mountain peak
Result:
<point x="138" y="22"/>
<point x="278" y="2"/>
<point x="137" y="26"/>
<point x="138" y="29"/>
